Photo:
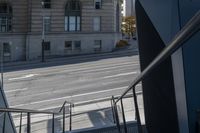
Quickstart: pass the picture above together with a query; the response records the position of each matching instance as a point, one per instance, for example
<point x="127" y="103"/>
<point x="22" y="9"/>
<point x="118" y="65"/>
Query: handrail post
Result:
<point x="20" y="123"/>
<point x="70" y="117"/>
<point x="53" y="117"/>
<point x="28" y="123"/>
<point x="4" y="123"/>
<point x="137" y="111"/>
<point x="112" y="107"/>
<point x="117" y="117"/>
<point x="123" y="115"/>
<point x="64" y="119"/>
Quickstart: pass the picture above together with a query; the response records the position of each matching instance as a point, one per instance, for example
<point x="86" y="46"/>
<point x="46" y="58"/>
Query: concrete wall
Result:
<point x="58" y="43"/>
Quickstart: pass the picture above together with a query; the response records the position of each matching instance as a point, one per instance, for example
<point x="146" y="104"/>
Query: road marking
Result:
<point x="60" y="98"/>
<point x="121" y="74"/>
<point x="23" y="89"/>
<point x="23" y="77"/>
<point x="88" y="69"/>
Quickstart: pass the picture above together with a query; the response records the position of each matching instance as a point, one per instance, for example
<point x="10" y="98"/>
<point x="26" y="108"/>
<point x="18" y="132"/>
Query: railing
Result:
<point x="29" y="112"/>
<point x="185" y="34"/>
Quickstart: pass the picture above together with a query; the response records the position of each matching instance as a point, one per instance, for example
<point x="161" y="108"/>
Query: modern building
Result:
<point x="128" y="8"/>
<point x="70" y="27"/>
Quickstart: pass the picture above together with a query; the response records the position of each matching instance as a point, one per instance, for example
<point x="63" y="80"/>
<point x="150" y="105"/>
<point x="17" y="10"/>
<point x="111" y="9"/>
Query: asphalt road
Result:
<point x="45" y="86"/>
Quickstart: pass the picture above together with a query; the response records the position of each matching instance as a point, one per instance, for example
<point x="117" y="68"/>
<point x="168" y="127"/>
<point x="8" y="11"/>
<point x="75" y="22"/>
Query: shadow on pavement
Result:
<point x="100" y="118"/>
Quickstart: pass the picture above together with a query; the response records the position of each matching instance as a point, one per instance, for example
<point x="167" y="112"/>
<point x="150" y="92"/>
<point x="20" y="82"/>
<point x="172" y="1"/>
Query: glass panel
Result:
<point x="97" y="45"/>
<point x="77" y="45"/>
<point x="78" y="23"/>
<point x="66" y="23"/>
<point x="68" y="45"/>
<point x="72" y="23"/>
<point x="96" y="23"/>
<point x="47" y="24"/>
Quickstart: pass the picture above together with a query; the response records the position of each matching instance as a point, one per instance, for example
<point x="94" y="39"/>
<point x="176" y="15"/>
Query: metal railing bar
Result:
<point x="137" y="113"/>
<point x="4" y="123"/>
<point x="28" y="123"/>
<point x="185" y="33"/>
<point x="53" y="123"/>
<point x="123" y="116"/>
<point x="20" y="127"/>
<point x="112" y="107"/>
<point x="116" y="116"/>
<point x="25" y="111"/>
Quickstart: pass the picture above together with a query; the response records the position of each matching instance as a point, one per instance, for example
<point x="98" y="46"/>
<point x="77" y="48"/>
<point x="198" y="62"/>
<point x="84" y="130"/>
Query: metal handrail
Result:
<point x="15" y="110"/>
<point x="185" y="33"/>
<point x="29" y="112"/>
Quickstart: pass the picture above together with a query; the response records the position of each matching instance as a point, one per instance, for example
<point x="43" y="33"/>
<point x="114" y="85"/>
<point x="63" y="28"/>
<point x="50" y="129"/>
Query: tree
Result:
<point x="129" y="25"/>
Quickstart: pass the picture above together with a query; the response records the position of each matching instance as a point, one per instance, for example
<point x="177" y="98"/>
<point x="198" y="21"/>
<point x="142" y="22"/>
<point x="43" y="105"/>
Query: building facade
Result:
<point x="128" y="8"/>
<point x="67" y="27"/>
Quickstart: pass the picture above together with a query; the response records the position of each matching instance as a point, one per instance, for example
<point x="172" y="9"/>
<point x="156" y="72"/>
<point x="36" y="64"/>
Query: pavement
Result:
<point x="86" y="80"/>
<point x="85" y="117"/>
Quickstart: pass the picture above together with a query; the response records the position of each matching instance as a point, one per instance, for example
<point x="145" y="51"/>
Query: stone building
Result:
<point x="68" y="27"/>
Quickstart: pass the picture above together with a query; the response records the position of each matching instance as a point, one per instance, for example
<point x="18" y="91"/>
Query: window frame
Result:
<point x="99" y="24"/>
<point x="95" y="44"/>
<point x="73" y="9"/>
<point x="66" y="47"/>
<point x="100" y="4"/>
<point x="47" y="25"/>
<point x="6" y="18"/>
<point x="47" y="46"/>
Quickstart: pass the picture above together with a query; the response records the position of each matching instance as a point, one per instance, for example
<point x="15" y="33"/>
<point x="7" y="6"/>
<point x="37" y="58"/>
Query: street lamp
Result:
<point x="43" y="31"/>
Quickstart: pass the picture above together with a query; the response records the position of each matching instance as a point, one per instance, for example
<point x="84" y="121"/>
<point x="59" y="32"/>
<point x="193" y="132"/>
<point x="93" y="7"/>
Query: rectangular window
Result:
<point x="5" y="24"/>
<point x="77" y="45"/>
<point x="6" y="49"/>
<point x="78" y="26"/>
<point x="72" y="23"/>
<point x="47" y="46"/>
<point x="47" y="4"/>
<point x="47" y="24"/>
<point x="68" y="45"/>
<point x="66" y="23"/>
<point x="97" y="23"/>
<point x="97" y="4"/>
<point x="97" y="45"/>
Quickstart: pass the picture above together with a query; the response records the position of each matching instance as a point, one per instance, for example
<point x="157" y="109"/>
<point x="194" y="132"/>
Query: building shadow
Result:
<point x="100" y="118"/>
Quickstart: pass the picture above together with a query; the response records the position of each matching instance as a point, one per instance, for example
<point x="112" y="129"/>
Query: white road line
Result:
<point x="23" y="77"/>
<point x="121" y="74"/>
<point x="89" y="69"/>
<point x="61" y="98"/>
<point x="23" y="89"/>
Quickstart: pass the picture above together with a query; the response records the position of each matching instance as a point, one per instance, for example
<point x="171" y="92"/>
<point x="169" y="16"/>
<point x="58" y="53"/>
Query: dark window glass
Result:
<point x="68" y="45"/>
<point x="6" y="48"/>
<point x="47" y="46"/>
<point x="5" y="17"/>
<point x="98" y="5"/>
<point x="47" y="4"/>
<point x="77" y="45"/>
<point x="97" y="45"/>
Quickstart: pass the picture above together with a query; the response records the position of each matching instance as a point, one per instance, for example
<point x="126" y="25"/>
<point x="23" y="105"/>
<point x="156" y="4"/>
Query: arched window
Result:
<point x="73" y="15"/>
<point x="5" y="17"/>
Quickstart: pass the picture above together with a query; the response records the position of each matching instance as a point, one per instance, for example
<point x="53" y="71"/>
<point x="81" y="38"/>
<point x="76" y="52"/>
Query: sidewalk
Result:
<point x="90" y="116"/>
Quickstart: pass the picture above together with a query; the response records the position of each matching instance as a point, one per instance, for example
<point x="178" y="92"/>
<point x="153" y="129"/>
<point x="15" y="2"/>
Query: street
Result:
<point x="77" y="80"/>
